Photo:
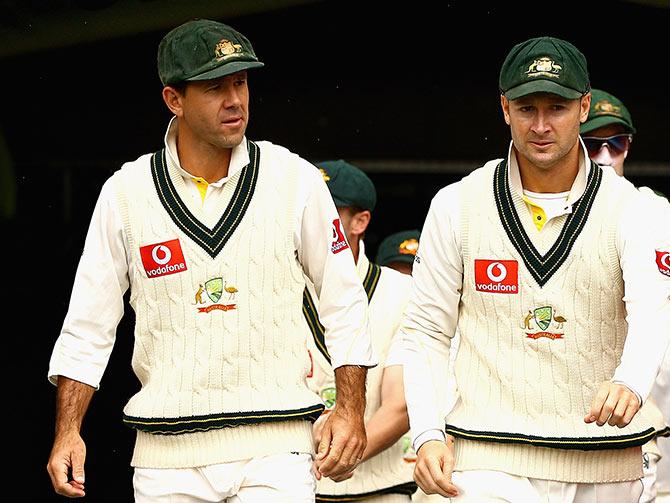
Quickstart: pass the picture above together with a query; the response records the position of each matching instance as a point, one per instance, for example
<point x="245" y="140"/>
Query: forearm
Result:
<point x="350" y="385"/>
<point x="385" y="428"/>
<point x="72" y="401"/>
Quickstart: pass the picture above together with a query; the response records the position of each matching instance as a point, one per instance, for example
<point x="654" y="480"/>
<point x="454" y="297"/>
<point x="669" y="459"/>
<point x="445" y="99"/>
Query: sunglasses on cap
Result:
<point x="617" y="144"/>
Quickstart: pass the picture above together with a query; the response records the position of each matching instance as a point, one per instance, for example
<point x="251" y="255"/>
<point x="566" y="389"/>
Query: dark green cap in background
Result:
<point x="398" y="247"/>
<point x="606" y="109"/>
<point x="202" y="49"/>
<point x="544" y="64"/>
<point x="348" y="185"/>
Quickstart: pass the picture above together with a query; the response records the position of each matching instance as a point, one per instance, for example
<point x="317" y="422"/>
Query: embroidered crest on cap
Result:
<point x="225" y="49"/>
<point x="408" y="247"/>
<point x="544" y="67"/>
<point x="604" y="107"/>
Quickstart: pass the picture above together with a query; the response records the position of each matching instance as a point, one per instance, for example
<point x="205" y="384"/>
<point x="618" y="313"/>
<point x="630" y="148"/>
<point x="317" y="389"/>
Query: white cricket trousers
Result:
<point x="280" y="478"/>
<point x="486" y="486"/>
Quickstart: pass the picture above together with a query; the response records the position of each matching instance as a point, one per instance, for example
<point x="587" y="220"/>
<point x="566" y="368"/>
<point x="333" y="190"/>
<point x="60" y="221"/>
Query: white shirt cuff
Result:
<point x="428" y="435"/>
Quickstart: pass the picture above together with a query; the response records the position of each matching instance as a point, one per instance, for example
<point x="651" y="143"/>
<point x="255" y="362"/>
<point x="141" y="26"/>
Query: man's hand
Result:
<point x="66" y="465"/>
<point x="434" y="465"/>
<point x="66" y="462"/>
<point x="614" y="404"/>
<point x="343" y="437"/>
<point x="342" y="443"/>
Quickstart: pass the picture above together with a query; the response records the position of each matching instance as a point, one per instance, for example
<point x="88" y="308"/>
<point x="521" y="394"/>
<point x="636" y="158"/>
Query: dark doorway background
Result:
<point x="410" y="85"/>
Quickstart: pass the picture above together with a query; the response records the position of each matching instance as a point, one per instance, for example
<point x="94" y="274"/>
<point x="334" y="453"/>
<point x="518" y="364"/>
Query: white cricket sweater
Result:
<point x="215" y="334"/>
<point x="543" y="324"/>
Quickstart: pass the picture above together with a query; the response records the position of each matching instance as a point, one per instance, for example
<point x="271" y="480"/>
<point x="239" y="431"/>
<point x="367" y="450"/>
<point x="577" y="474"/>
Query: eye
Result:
<point x="213" y="87"/>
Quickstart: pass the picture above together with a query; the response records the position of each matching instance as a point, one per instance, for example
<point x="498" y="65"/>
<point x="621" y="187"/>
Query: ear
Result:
<point x="360" y="222"/>
<point x="585" y="104"/>
<point x="172" y="99"/>
<point x="504" y="104"/>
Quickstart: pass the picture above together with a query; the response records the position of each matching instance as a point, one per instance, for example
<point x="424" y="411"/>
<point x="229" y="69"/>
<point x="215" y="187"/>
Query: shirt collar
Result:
<point x="239" y="157"/>
<point x="363" y="262"/>
<point x="578" y="186"/>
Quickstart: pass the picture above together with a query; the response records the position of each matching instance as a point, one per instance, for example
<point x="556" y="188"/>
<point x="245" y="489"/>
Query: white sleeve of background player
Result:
<point x="431" y="317"/>
<point x="87" y="337"/>
<point x="644" y="244"/>
<point x="343" y="303"/>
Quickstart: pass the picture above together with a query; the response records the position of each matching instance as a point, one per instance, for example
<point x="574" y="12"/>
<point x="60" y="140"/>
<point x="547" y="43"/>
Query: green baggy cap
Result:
<point x="606" y="109"/>
<point x="544" y="64"/>
<point x="348" y="185"/>
<point x="398" y="247"/>
<point x="202" y="49"/>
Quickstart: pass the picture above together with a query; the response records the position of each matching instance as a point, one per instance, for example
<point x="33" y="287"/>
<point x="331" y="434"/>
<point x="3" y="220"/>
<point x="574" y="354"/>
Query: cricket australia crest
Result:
<point x="543" y="322"/>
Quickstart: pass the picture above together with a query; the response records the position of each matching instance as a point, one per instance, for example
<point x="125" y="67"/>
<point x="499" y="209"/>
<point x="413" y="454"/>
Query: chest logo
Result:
<point x="663" y="262"/>
<point x="497" y="276"/>
<point x="543" y="322"/>
<point x="164" y="258"/>
<point x="215" y="289"/>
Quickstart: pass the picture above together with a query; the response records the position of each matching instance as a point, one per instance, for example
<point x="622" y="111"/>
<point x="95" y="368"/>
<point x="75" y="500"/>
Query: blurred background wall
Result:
<point x="406" y="91"/>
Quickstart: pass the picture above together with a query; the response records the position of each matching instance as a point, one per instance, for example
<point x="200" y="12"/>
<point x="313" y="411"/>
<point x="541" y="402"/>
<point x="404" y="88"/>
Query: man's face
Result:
<point x="544" y="126"/>
<point x="216" y="112"/>
<point x="603" y="153"/>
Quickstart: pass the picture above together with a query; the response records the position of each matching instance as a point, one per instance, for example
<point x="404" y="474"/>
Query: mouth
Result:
<point x="542" y="145"/>
<point x="236" y="121"/>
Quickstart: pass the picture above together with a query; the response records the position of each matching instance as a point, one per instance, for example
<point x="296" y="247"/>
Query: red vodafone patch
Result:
<point x="497" y="276"/>
<point x="339" y="241"/>
<point x="161" y="259"/>
<point x="663" y="261"/>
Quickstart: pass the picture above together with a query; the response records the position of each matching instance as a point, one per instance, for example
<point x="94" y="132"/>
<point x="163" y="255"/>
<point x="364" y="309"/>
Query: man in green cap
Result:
<point x="529" y="258"/>
<point x="608" y="130"/>
<point x="607" y="134"/>
<point x="397" y="250"/>
<point x="383" y="476"/>
<point x="214" y="235"/>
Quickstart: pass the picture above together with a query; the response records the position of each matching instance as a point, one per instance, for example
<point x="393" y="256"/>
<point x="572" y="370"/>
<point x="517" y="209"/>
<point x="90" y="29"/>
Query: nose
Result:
<point x="604" y="156"/>
<point x="541" y="123"/>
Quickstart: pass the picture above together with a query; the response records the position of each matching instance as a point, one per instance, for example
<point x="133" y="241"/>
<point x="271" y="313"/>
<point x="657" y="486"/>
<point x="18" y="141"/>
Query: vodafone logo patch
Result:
<point x="161" y="259"/>
<point x="339" y="242"/>
<point x="497" y="276"/>
<point x="663" y="261"/>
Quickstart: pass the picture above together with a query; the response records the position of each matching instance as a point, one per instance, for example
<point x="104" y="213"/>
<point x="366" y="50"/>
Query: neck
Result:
<point x="558" y="178"/>
<point x="202" y="159"/>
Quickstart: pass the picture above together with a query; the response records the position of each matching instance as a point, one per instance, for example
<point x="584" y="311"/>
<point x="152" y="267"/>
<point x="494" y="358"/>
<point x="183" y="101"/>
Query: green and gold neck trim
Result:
<point x="211" y="240"/>
<point x="312" y="315"/>
<point x="543" y="267"/>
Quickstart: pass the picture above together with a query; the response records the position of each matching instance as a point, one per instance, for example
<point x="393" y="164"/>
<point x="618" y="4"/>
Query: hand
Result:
<point x="67" y="458"/>
<point x="344" y="476"/>
<point x="614" y="404"/>
<point x="317" y="428"/>
<point x="434" y="465"/>
<point x="343" y="441"/>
